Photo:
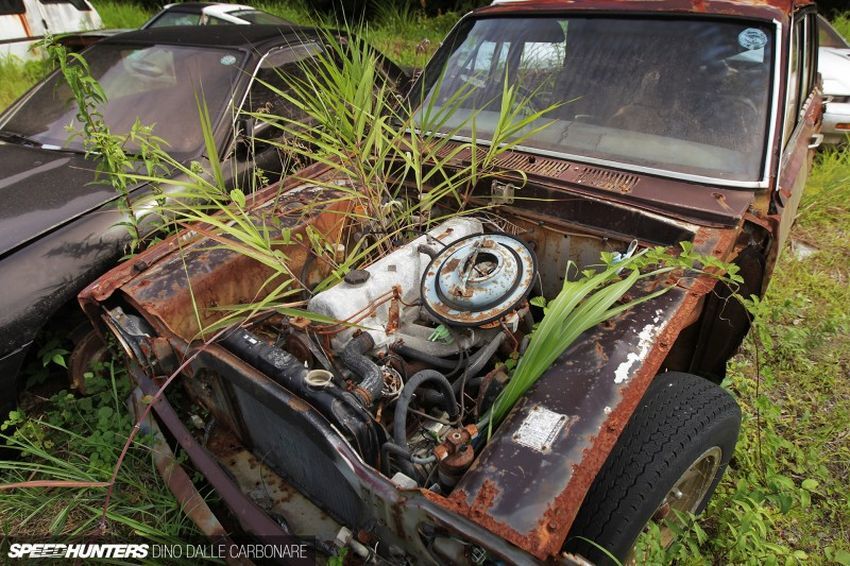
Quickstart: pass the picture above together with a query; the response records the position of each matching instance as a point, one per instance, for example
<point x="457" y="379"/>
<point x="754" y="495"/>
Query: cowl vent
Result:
<point x="607" y="180"/>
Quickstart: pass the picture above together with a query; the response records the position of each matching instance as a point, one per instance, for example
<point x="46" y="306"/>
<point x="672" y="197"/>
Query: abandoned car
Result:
<point x="58" y="229"/>
<point x="673" y="122"/>
<point x="182" y="14"/>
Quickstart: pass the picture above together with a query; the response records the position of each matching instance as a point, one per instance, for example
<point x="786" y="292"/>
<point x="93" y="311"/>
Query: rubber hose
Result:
<point x="352" y="357"/>
<point x="482" y="356"/>
<point x="476" y="364"/>
<point x="425" y="357"/>
<point x="447" y="399"/>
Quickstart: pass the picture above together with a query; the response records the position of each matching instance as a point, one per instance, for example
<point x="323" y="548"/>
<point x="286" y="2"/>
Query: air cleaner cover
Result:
<point x="478" y="279"/>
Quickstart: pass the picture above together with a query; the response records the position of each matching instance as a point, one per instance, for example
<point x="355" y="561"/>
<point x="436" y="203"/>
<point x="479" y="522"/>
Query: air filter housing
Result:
<point x="478" y="279"/>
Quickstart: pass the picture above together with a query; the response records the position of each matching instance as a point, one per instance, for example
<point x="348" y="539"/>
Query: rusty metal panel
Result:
<point x="530" y="492"/>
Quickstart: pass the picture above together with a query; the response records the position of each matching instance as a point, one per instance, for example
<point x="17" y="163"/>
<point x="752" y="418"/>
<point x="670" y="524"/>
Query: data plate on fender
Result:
<point x="540" y="428"/>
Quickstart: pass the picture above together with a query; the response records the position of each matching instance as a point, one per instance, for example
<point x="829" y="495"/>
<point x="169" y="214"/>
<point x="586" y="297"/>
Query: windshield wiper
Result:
<point x="20" y="139"/>
<point x="14" y="137"/>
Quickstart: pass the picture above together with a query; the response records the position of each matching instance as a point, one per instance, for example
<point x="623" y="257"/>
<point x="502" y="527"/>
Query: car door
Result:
<point x="254" y="149"/>
<point x="801" y="131"/>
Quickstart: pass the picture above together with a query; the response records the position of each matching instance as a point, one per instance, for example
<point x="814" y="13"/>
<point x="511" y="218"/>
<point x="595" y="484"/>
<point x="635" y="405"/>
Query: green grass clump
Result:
<point x="842" y="24"/>
<point x="120" y="14"/>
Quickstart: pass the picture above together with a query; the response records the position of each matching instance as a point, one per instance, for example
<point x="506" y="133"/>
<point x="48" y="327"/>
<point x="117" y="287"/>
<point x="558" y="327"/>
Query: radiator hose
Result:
<point x="353" y="357"/>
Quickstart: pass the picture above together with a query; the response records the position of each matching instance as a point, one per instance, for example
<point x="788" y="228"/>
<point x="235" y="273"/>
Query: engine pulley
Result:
<point x="478" y="279"/>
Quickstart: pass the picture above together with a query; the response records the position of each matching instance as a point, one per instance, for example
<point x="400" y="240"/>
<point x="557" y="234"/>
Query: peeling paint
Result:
<point x="646" y="338"/>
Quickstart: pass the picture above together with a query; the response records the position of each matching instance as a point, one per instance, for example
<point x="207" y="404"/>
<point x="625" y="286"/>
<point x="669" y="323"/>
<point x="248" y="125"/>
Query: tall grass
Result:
<point x="121" y="14"/>
<point x="842" y="24"/>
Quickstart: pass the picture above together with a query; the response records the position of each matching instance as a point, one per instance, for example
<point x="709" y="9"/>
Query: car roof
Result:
<point x="244" y="37"/>
<point x="193" y="7"/>
<point x="761" y="9"/>
<point x="199" y="7"/>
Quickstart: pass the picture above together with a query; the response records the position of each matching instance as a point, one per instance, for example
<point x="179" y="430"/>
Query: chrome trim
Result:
<point x="237" y="108"/>
<point x="771" y="137"/>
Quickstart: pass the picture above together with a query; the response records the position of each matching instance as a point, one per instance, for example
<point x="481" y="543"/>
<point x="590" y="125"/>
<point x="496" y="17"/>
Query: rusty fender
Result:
<point x="531" y="497"/>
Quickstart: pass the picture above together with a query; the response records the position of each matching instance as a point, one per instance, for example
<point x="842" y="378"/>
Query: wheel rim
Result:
<point x="686" y="495"/>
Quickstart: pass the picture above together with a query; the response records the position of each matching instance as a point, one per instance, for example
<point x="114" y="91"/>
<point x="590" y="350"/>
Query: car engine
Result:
<point x="417" y="354"/>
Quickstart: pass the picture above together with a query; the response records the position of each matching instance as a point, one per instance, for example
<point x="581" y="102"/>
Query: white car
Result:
<point x="834" y="67"/>
<point x="210" y="13"/>
<point x="25" y="22"/>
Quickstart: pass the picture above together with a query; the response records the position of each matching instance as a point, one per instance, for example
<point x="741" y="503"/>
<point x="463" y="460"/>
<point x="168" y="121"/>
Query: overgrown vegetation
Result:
<point x="785" y="498"/>
<point x="72" y="438"/>
<point x="405" y="35"/>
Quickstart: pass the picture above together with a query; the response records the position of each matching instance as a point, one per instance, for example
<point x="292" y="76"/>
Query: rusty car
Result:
<point x="683" y="121"/>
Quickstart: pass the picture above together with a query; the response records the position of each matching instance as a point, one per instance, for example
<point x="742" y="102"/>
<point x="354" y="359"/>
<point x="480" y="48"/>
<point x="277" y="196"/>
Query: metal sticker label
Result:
<point x="540" y="428"/>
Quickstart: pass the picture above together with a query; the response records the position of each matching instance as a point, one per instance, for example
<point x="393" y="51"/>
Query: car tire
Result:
<point x="682" y="421"/>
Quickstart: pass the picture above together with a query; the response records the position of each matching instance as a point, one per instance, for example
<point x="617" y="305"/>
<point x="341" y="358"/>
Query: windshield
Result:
<point x="685" y="96"/>
<point x="156" y="84"/>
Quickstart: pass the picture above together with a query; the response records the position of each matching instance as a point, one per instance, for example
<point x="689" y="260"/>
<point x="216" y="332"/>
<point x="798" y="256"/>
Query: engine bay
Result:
<point x="423" y="342"/>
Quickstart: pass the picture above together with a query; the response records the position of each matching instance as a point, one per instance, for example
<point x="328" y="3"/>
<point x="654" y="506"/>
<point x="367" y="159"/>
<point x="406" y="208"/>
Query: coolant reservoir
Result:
<point x="372" y="286"/>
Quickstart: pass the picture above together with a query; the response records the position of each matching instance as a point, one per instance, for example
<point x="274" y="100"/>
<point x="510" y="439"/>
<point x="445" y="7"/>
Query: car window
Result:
<point x="829" y="37"/>
<point x="277" y="68"/>
<point x="792" y="98"/>
<point x="258" y="17"/>
<point x="158" y="84"/>
<point x="213" y="21"/>
<point x="174" y="18"/>
<point x="686" y="95"/>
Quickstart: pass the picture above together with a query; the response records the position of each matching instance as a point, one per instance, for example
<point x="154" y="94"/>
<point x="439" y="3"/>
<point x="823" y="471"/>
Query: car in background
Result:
<point x="58" y="229"/>
<point x="25" y="22"/>
<point x="834" y="67"/>
<point x="182" y="14"/>
<point x="211" y="14"/>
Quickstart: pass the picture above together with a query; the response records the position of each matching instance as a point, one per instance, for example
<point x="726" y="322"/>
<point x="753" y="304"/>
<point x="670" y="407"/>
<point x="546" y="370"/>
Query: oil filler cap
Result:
<point x="478" y="279"/>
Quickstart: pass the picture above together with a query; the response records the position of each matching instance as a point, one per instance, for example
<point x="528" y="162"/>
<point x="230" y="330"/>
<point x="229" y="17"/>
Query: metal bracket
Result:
<point x="502" y="193"/>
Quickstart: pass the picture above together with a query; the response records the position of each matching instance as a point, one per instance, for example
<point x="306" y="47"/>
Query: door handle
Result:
<point x="815" y="141"/>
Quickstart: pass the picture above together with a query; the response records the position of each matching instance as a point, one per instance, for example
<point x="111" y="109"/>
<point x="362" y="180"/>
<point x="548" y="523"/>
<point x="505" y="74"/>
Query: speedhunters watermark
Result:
<point x="291" y="551"/>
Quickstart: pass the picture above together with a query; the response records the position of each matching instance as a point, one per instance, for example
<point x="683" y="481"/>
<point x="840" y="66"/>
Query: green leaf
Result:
<point x="238" y="197"/>
<point x="810" y="484"/>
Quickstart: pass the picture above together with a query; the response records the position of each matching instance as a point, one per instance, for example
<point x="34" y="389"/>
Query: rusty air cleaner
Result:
<point x="478" y="279"/>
